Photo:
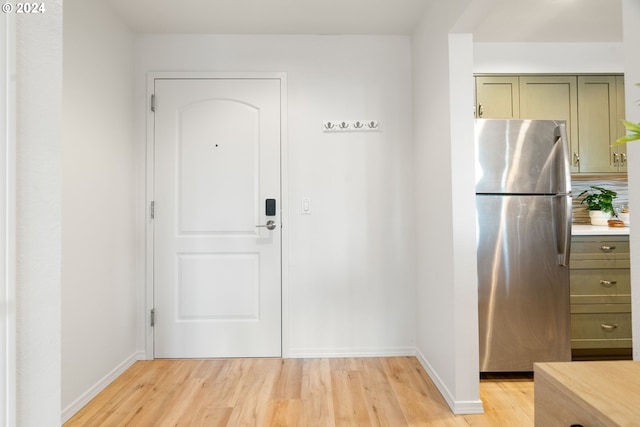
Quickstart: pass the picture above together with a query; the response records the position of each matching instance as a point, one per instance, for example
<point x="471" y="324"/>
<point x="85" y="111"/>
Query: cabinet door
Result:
<point x="597" y="112"/>
<point x="497" y="97"/>
<point x="552" y="98"/>
<point x="601" y="326"/>
<point x="620" y="129"/>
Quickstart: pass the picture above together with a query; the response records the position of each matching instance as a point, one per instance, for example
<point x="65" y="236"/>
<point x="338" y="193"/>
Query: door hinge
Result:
<point x="153" y="317"/>
<point x="153" y="102"/>
<point x="152" y="210"/>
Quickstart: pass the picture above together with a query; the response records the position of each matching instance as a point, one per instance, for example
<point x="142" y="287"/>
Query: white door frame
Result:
<point x="7" y="222"/>
<point x="284" y="184"/>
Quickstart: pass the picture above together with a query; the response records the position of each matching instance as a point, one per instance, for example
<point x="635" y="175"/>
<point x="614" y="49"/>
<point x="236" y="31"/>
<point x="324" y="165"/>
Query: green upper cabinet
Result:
<point x="552" y="98"/>
<point x="591" y="105"/>
<point x="620" y="129"/>
<point x="599" y="125"/>
<point x="497" y="97"/>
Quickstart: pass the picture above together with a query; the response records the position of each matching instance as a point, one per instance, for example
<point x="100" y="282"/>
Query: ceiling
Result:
<point x="272" y="16"/>
<point x="509" y="20"/>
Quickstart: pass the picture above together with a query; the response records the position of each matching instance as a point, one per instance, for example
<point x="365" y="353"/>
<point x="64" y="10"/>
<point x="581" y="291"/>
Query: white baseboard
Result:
<point x="458" y="407"/>
<point x="80" y="402"/>
<point x="329" y="353"/>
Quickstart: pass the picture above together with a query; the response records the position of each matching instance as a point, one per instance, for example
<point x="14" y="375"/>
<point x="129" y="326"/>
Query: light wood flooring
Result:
<point x="366" y="392"/>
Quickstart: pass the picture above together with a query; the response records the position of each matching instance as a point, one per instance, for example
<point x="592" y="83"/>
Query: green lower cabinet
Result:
<point x="609" y="328"/>
<point x="600" y="298"/>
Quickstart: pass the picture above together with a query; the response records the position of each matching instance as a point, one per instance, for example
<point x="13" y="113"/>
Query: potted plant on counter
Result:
<point x="599" y="204"/>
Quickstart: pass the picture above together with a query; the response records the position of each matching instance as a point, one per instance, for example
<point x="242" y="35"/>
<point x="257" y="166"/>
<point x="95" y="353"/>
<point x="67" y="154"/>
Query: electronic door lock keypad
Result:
<point x="270" y="207"/>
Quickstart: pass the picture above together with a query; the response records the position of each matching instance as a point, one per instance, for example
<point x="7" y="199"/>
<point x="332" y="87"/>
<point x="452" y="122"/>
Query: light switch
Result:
<point x="306" y="206"/>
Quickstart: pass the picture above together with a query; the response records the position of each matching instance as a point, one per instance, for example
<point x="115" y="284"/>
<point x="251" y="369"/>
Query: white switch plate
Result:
<point x="306" y="206"/>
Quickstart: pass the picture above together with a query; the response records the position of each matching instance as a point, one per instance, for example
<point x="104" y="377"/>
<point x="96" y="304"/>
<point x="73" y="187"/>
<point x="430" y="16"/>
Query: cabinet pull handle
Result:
<point x="623" y="158"/>
<point x="480" y="110"/>
<point x="606" y="248"/>
<point x="608" y="283"/>
<point x="576" y="159"/>
<point x="608" y="326"/>
<point x="616" y="159"/>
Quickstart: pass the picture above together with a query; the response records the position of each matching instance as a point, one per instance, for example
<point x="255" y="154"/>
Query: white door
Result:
<point x="217" y="269"/>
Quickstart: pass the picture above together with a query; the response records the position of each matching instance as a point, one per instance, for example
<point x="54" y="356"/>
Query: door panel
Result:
<point x="597" y="112"/>
<point x="497" y="97"/>
<point x="523" y="292"/>
<point x="235" y="295"/>
<point x="552" y="98"/>
<point x="521" y="156"/>
<point x="217" y="276"/>
<point x="215" y="149"/>
<point x="620" y="129"/>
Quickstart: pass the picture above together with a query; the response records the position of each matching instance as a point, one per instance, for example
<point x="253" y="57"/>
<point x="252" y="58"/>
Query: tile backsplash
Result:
<point x="578" y="185"/>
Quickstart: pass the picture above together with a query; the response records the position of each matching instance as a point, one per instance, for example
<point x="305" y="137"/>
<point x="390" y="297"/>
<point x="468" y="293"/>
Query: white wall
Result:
<point x="39" y="111"/>
<point x="631" y="17"/>
<point x="548" y="58"/>
<point x="447" y="323"/>
<point x="351" y="284"/>
<point x="99" y="264"/>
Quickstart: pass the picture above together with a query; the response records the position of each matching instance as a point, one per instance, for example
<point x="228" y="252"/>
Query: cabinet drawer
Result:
<point x="600" y="286"/>
<point x="601" y="330"/>
<point x="594" y="246"/>
<point x="603" y="251"/>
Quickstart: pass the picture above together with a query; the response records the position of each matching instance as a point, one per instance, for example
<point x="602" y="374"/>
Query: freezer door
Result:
<point x="523" y="290"/>
<point x="522" y="156"/>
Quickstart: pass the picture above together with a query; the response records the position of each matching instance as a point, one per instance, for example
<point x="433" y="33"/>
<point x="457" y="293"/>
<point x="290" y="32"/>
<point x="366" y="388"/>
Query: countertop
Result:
<point x="598" y="230"/>
<point x="587" y="393"/>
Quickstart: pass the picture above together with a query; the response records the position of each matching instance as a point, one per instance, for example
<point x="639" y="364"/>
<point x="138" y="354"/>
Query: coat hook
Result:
<point x="372" y="125"/>
<point x="344" y="125"/>
<point x="329" y="126"/>
<point x="358" y="125"/>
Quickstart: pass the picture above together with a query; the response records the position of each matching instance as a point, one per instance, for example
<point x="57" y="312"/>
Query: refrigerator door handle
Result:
<point x="564" y="163"/>
<point x="564" y="232"/>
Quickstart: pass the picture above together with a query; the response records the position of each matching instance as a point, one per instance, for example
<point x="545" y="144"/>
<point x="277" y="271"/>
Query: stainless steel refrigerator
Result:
<point x="523" y="213"/>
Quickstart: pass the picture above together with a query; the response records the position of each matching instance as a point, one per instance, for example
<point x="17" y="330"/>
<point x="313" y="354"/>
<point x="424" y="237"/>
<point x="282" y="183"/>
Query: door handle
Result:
<point x="270" y="225"/>
<point x="564" y="232"/>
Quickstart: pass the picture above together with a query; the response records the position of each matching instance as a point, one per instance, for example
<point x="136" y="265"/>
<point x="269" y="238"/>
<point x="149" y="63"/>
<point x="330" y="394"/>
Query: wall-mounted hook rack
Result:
<point x="328" y="125"/>
<point x="350" y="125"/>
